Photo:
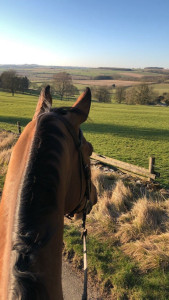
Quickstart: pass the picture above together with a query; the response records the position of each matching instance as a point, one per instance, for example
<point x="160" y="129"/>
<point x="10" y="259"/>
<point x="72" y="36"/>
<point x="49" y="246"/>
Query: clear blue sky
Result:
<point x="89" y="33"/>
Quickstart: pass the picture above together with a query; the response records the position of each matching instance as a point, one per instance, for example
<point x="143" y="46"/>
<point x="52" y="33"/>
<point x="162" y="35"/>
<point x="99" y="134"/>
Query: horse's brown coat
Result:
<point x="68" y="192"/>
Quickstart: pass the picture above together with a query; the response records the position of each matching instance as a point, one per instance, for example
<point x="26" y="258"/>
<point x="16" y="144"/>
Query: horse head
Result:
<point x="48" y="177"/>
<point x="81" y="192"/>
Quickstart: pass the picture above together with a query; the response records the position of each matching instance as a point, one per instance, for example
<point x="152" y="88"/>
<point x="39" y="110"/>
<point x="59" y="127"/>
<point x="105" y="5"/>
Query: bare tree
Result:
<point x="62" y="83"/>
<point x="131" y="95"/>
<point x="120" y="94"/>
<point x="145" y="94"/>
<point x="71" y="91"/>
<point x="102" y="94"/>
<point x="142" y="94"/>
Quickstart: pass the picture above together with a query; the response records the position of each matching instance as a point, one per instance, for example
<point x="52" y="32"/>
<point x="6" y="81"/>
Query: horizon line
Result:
<point x="72" y="66"/>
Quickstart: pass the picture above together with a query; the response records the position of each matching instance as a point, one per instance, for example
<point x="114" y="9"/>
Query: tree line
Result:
<point x="63" y="88"/>
<point x="142" y="94"/>
<point x="10" y="81"/>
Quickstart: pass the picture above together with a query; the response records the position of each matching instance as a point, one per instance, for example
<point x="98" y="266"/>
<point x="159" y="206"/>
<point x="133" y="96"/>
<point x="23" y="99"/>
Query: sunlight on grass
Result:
<point x="128" y="240"/>
<point x="128" y="133"/>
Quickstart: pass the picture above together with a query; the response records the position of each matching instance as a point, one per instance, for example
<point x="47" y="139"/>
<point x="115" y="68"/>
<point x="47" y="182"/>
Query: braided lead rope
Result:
<point x="84" y="296"/>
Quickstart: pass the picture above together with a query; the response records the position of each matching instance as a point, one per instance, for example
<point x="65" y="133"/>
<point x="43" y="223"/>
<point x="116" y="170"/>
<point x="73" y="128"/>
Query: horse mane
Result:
<point x="40" y="182"/>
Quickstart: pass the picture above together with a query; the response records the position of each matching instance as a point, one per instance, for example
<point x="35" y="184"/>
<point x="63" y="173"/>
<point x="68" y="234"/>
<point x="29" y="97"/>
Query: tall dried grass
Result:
<point x="151" y="253"/>
<point x="141" y="225"/>
<point x="7" y="141"/>
<point x="113" y="198"/>
<point x="122" y="197"/>
<point x="145" y="218"/>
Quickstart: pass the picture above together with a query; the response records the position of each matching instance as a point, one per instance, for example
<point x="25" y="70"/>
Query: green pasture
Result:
<point x="125" y="132"/>
<point x="161" y="88"/>
<point x="131" y="134"/>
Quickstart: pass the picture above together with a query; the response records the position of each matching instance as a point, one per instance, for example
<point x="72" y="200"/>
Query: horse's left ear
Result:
<point x="44" y="103"/>
<point x="83" y="105"/>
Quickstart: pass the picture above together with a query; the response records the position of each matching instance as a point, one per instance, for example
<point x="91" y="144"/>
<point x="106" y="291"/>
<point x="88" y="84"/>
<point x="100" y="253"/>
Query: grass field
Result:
<point x="131" y="134"/>
<point x="109" y="83"/>
<point x="128" y="133"/>
<point x="161" y="88"/>
<point x="127" y="231"/>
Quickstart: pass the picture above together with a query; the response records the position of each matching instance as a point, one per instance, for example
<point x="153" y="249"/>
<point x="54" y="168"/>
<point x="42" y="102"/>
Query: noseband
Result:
<point x="84" y="168"/>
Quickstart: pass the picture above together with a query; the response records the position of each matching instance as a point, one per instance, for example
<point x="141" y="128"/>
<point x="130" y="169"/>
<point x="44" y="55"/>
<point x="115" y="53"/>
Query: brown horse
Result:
<point x="46" y="179"/>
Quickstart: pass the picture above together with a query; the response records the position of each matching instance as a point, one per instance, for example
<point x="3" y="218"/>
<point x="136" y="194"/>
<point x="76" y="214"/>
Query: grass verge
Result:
<point x="128" y="236"/>
<point x="118" y="276"/>
<point x="128" y="240"/>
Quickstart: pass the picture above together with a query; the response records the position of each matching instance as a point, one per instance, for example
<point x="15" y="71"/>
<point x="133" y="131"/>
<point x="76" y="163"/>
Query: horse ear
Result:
<point x="83" y="105"/>
<point x="44" y="103"/>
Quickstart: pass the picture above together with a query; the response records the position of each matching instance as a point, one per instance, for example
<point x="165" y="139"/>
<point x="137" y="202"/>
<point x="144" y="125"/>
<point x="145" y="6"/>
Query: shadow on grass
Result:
<point x="14" y="120"/>
<point x="128" y="131"/>
<point x="150" y="134"/>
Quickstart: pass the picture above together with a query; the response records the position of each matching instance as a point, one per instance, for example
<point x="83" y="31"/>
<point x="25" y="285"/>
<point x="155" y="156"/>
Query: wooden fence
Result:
<point x="129" y="168"/>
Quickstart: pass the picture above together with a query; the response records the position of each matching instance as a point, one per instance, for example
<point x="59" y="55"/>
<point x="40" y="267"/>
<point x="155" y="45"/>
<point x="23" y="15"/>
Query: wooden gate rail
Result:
<point x="132" y="169"/>
<point x="147" y="173"/>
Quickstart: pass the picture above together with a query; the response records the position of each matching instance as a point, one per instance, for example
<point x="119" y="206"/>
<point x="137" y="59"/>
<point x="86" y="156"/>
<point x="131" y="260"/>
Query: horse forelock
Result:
<point x="40" y="182"/>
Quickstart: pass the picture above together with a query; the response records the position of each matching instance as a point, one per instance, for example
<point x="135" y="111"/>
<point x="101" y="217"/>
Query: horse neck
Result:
<point x="49" y="261"/>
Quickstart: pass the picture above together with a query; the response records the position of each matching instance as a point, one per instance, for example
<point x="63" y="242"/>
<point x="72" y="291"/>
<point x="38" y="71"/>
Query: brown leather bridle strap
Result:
<point x="86" y="170"/>
<point x="71" y="130"/>
<point x="82" y="166"/>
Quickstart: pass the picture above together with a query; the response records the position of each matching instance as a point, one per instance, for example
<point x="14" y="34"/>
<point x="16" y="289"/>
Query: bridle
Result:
<point x="83" y="168"/>
<point x="88" y="204"/>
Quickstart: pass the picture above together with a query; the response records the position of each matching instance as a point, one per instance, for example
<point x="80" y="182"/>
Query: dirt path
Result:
<point x="72" y="282"/>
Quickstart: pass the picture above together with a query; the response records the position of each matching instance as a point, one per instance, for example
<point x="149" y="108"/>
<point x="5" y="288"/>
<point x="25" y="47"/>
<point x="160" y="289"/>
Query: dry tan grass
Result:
<point x="7" y="141"/>
<point x="145" y="218"/>
<point x="102" y="181"/>
<point x="103" y="211"/>
<point x="140" y="225"/>
<point x="5" y="156"/>
<point x="151" y="253"/>
<point x="113" y="199"/>
<point x="121" y="197"/>
<point x="149" y="215"/>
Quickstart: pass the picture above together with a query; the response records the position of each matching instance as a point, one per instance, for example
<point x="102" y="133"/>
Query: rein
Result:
<point x="83" y="168"/>
<point x="84" y="235"/>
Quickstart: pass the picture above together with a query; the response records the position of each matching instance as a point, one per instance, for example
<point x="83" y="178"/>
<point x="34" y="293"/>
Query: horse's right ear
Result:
<point x="44" y="103"/>
<point x="83" y="105"/>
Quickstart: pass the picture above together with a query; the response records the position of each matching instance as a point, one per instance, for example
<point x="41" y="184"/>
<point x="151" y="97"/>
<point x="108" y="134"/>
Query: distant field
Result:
<point x="161" y="88"/>
<point x="45" y="74"/>
<point x="128" y="133"/>
<point x="106" y="82"/>
<point x="83" y="77"/>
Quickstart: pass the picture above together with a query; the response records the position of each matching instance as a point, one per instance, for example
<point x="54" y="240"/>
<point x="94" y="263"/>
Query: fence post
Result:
<point x="19" y="127"/>
<point x="151" y="165"/>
